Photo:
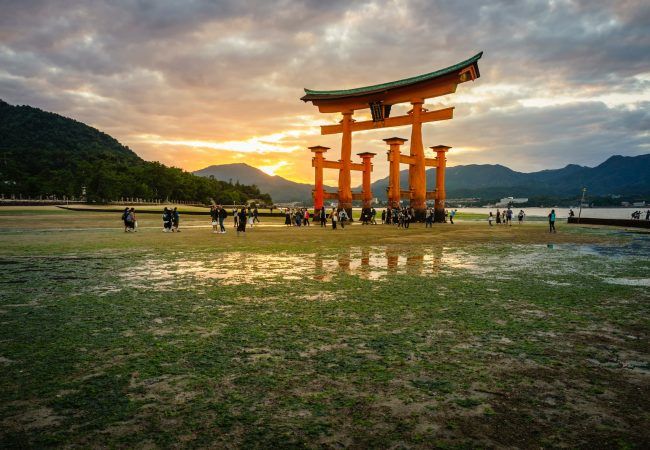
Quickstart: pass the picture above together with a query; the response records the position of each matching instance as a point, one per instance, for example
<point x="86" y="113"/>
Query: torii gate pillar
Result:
<point x="441" y="195"/>
<point x="317" y="163"/>
<point x="345" y="191"/>
<point x="417" y="175"/>
<point x="366" y="192"/>
<point x="394" y="156"/>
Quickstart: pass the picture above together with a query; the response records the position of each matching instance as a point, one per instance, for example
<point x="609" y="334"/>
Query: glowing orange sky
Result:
<point x="196" y="84"/>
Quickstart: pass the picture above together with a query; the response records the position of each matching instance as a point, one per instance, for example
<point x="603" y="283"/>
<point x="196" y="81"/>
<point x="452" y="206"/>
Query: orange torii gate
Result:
<point x="379" y="99"/>
<point x="319" y="163"/>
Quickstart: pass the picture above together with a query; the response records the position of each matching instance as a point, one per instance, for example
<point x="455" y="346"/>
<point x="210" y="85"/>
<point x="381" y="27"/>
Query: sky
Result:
<point x="195" y="83"/>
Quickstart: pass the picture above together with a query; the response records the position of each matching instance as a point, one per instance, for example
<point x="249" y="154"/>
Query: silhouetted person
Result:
<point x="551" y="222"/>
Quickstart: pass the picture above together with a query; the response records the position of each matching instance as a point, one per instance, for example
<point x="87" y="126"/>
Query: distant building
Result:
<point x="507" y="201"/>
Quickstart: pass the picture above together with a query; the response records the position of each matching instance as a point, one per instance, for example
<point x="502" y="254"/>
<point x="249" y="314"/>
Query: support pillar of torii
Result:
<point x="441" y="195"/>
<point x="417" y="163"/>
<point x="345" y="190"/>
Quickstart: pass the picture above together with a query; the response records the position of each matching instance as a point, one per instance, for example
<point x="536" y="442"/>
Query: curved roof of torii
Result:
<point x="347" y="93"/>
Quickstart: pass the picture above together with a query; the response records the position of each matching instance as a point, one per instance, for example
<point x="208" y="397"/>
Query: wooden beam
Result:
<point x="331" y="195"/>
<point x="407" y="159"/>
<point x="430" y="162"/>
<point x="331" y="165"/>
<point x="337" y="165"/>
<point x="403" y="159"/>
<point x="357" y="196"/>
<point x="430" y="116"/>
<point x="431" y="195"/>
<point x="405" y="194"/>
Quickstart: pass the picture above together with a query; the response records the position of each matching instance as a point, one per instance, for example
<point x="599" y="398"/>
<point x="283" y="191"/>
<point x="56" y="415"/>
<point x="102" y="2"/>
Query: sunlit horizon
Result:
<point x="194" y="85"/>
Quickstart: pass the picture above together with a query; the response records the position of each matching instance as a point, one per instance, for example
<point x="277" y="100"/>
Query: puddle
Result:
<point x="199" y="270"/>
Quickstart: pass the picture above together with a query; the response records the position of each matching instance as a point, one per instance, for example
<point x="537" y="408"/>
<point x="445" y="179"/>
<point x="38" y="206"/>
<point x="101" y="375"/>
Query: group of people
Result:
<point x="130" y="222"/>
<point x="400" y="216"/>
<point x="218" y="215"/>
<point x="297" y="217"/>
<point x="245" y="217"/>
<point x="505" y="217"/>
<point x="636" y="215"/>
<point x="368" y="216"/>
<point x="171" y="219"/>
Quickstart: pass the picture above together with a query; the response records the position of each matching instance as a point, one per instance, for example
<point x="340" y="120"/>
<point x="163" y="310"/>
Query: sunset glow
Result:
<point x="192" y="85"/>
<point x="271" y="170"/>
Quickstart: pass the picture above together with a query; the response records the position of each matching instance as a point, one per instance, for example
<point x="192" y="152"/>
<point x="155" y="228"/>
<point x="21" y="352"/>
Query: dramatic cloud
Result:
<point x="193" y="83"/>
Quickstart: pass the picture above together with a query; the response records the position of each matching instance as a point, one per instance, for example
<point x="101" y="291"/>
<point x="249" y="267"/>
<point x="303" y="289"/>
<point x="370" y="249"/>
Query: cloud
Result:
<point x="195" y="83"/>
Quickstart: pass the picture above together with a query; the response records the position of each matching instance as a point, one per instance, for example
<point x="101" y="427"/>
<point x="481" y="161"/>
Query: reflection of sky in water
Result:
<point x="381" y="262"/>
<point x="627" y="264"/>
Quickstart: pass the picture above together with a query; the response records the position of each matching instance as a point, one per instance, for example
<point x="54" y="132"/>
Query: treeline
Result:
<point x="44" y="154"/>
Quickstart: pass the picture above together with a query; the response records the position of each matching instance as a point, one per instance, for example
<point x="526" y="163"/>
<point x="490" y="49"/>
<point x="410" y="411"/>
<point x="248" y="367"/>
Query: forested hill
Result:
<point x="43" y="153"/>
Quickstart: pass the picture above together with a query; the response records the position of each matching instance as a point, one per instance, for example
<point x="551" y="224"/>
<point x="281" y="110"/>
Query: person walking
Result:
<point x="343" y="216"/>
<point x="490" y="218"/>
<point x="125" y="215"/>
<point x="452" y="214"/>
<point x="250" y="217"/>
<point x="287" y="217"/>
<point x="428" y="219"/>
<point x="551" y="222"/>
<point x="222" y="214"/>
<point x="323" y="217"/>
<point x="241" y="221"/>
<point x="176" y="218"/>
<point x="167" y="220"/>
<point x="133" y="221"/>
<point x="305" y="221"/>
<point x="520" y="216"/>
<point x="334" y="217"/>
<point x="256" y="214"/>
<point x="509" y="216"/>
<point x="373" y="216"/>
<point x="214" y="220"/>
<point x="498" y="217"/>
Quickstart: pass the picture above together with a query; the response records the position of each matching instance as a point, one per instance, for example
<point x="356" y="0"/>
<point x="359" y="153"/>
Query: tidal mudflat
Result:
<point x="460" y="336"/>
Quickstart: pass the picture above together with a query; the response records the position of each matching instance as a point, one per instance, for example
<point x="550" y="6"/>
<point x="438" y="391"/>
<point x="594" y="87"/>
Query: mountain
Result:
<point x="280" y="189"/>
<point x="618" y="175"/>
<point x="43" y="153"/>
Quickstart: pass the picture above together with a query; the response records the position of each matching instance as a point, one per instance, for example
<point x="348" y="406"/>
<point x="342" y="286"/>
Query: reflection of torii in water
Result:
<point x="418" y="261"/>
<point x="379" y="99"/>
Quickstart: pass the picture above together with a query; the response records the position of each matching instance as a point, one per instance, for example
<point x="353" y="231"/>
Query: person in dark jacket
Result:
<point x="322" y="216"/>
<point x="176" y="218"/>
<point x="241" y="223"/>
<point x="221" y="215"/>
<point x="167" y="220"/>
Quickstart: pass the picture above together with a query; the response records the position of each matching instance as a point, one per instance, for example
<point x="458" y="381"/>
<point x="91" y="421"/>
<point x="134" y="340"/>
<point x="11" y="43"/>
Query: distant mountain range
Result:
<point x="619" y="175"/>
<point x="47" y="154"/>
<point x="280" y="189"/>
